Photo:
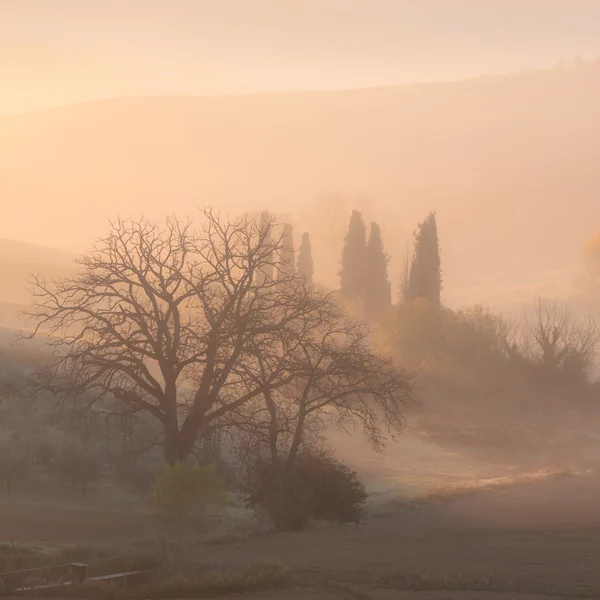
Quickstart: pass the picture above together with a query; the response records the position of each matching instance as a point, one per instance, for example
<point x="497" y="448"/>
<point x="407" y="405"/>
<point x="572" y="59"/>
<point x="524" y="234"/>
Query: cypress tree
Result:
<point x="353" y="268"/>
<point x="287" y="265"/>
<point x="425" y="277"/>
<point x="377" y="290"/>
<point x="305" y="259"/>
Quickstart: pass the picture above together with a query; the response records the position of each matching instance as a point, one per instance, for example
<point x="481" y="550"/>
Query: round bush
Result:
<point x="316" y="486"/>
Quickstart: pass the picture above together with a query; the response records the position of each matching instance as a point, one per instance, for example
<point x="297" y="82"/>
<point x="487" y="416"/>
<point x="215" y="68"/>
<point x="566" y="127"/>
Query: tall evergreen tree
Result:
<point x="305" y="259"/>
<point x="353" y="269"/>
<point x="287" y="264"/>
<point x="425" y="277"/>
<point x="377" y="290"/>
<point x="405" y="275"/>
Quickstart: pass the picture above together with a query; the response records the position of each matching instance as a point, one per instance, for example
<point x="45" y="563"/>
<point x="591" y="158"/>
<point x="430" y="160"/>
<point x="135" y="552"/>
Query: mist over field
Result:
<point x="308" y="282"/>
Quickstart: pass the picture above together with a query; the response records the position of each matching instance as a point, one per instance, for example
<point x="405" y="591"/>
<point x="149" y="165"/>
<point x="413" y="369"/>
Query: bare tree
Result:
<point x="553" y="339"/>
<point x="333" y="377"/>
<point x="162" y="320"/>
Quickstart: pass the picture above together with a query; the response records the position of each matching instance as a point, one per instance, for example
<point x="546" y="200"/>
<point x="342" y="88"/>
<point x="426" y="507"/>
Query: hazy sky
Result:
<point x="59" y="51"/>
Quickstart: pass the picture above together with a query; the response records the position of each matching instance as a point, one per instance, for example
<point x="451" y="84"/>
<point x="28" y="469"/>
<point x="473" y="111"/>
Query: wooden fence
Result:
<point x="120" y="569"/>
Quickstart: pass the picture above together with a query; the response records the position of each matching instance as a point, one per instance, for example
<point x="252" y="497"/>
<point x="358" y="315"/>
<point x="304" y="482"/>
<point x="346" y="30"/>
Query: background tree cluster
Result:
<point x="286" y="262"/>
<point x="422" y="277"/>
<point x="363" y="272"/>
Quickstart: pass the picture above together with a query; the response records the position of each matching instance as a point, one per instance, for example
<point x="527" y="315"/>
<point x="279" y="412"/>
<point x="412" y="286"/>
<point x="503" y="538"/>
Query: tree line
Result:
<point x="363" y="273"/>
<point x="191" y="338"/>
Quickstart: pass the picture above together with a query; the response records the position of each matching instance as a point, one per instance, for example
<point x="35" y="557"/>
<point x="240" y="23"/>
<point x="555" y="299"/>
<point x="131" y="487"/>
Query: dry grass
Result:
<point x="207" y="583"/>
<point x="457" y="583"/>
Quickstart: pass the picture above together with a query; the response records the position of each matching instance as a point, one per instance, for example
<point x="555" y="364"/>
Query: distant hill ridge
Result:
<point x="509" y="163"/>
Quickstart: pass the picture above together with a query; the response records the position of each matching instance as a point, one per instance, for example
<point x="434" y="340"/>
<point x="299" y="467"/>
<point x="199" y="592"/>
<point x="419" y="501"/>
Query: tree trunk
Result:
<point x="172" y="448"/>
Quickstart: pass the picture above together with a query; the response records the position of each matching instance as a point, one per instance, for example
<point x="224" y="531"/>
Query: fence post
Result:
<point x="80" y="571"/>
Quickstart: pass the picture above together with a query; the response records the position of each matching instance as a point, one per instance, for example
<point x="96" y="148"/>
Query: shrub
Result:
<point x="316" y="487"/>
<point x="182" y="493"/>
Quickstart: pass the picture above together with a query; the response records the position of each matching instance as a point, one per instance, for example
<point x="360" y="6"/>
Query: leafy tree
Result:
<point x="476" y="336"/>
<point x="305" y="260"/>
<point x="425" y="277"/>
<point x="414" y="333"/>
<point x="377" y="289"/>
<point x="182" y="493"/>
<point x="469" y="341"/>
<point x="354" y="260"/>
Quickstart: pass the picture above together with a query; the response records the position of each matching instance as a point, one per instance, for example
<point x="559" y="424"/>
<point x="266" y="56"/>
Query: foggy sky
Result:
<point x="60" y="51"/>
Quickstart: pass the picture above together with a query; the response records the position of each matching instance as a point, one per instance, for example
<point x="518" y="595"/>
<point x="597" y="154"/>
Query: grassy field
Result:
<point x="530" y="538"/>
<point x="440" y="526"/>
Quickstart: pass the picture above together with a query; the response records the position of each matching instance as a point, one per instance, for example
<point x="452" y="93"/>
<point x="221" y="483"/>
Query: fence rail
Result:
<point x="106" y="569"/>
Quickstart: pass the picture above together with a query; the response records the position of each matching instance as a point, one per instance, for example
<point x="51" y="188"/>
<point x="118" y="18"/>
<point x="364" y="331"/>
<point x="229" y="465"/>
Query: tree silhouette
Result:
<point x="377" y="290"/>
<point x="167" y="321"/>
<point x="425" y="277"/>
<point x="353" y="268"/>
<point x="287" y="264"/>
<point x="305" y="259"/>
<point x="267" y="224"/>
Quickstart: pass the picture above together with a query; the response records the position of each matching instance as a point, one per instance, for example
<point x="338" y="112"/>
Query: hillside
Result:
<point x="18" y="263"/>
<point x="509" y="164"/>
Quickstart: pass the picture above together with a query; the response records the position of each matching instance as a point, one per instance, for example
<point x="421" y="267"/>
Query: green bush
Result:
<point x="316" y="487"/>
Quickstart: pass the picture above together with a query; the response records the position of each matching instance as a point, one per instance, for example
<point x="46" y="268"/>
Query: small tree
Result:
<point x="182" y="494"/>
